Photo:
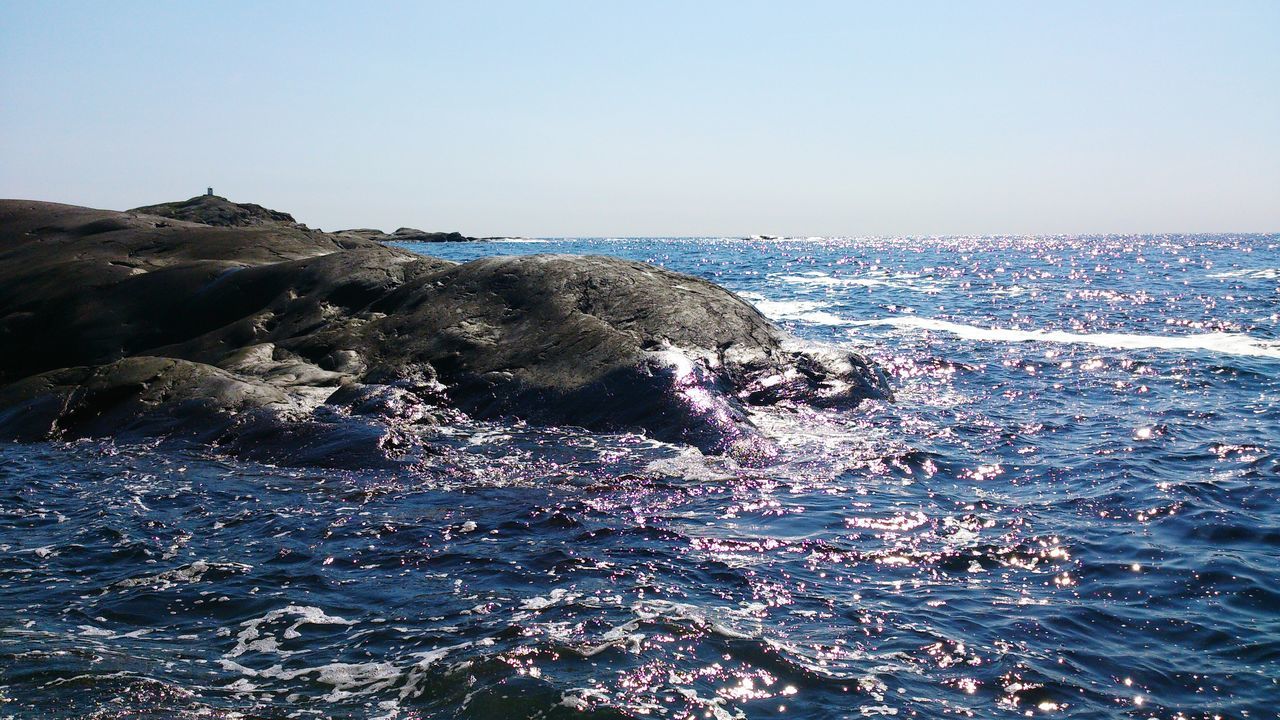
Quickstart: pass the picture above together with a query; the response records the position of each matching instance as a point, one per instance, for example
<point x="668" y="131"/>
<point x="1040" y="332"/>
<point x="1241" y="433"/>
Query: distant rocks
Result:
<point x="415" y="235"/>
<point x="218" y="211"/>
<point x="290" y="344"/>
<point x="406" y="235"/>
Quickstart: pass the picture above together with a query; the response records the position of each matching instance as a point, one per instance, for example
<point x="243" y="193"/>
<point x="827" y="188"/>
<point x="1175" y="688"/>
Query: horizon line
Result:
<point x="742" y="236"/>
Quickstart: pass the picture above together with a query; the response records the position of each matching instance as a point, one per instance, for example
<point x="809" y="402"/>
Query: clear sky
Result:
<point x="656" y="118"/>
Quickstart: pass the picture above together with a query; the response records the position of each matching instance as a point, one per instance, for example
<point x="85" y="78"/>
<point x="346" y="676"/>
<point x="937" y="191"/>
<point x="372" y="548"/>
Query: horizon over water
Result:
<point x="1071" y="511"/>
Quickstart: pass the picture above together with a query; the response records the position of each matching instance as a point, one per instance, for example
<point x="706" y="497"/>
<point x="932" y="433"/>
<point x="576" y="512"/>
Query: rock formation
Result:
<point x="219" y="212"/>
<point x="261" y="335"/>
<point x="406" y="235"/>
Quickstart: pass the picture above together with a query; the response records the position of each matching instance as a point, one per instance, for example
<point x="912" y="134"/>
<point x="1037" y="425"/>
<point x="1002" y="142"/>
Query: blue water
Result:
<point x="1073" y="510"/>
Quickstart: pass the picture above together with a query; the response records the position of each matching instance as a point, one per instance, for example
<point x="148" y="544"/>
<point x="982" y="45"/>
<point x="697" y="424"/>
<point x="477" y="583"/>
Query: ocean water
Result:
<point x="1071" y="511"/>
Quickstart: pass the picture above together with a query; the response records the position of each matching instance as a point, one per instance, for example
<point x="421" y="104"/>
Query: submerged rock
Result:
<point x="127" y="323"/>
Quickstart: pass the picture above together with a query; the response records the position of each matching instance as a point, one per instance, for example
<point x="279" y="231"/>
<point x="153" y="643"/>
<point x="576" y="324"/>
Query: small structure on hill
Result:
<point x="209" y="192"/>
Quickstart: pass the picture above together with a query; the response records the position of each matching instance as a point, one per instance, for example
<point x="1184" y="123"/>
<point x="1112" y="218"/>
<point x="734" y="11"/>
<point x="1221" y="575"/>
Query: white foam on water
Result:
<point x="691" y="465"/>
<point x="351" y="679"/>
<point x="250" y="638"/>
<point x="430" y="657"/>
<point x="874" y="279"/>
<point x="623" y="636"/>
<point x="347" y="680"/>
<point x="580" y="699"/>
<point x="192" y="573"/>
<point x="809" y="311"/>
<point x="1248" y="274"/>
<point x="92" y="631"/>
<point x="1010" y="291"/>
<point x="1225" y="343"/>
<point x="557" y="595"/>
<point x="703" y="618"/>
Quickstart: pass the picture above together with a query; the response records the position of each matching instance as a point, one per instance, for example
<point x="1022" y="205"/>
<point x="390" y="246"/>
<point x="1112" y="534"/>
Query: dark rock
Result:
<point x="405" y="235"/>
<point x="119" y="397"/>
<point x="272" y="332"/>
<point x="271" y="420"/>
<point x="219" y="211"/>
<point x="370" y="234"/>
<point x="606" y="343"/>
<point x="414" y="235"/>
<point x="69" y="299"/>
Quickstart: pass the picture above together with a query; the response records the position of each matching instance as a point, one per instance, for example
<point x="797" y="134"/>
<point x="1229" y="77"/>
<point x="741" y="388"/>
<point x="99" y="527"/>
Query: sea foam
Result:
<point x="1248" y="274"/>
<point x="810" y="311"/>
<point x="1226" y="343"/>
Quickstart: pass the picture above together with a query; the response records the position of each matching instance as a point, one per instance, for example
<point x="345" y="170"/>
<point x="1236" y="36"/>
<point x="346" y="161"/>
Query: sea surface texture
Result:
<point x="1071" y="511"/>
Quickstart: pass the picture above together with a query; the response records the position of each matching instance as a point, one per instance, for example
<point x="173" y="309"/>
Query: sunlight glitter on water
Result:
<point x="998" y="542"/>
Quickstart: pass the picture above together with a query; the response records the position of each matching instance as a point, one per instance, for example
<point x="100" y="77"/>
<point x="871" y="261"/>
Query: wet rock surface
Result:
<point x="132" y="322"/>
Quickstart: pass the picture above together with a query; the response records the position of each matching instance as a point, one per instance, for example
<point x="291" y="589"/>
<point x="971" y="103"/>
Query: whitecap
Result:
<point x="809" y="311"/>
<point x="875" y="279"/>
<point x="557" y="595"/>
<point x="1009" y="291"/>
<point x="348" y="680"/>
<point x="1219" y="342"/>
<point x="250" y="639"/>
<point x="1248" y="274"/>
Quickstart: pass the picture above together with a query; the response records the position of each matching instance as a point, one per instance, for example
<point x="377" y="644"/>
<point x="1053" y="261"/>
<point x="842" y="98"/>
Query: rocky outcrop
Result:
<point x="219" y="212"/>
<point x="406" y="235"/>
<point x="267" y="338"/>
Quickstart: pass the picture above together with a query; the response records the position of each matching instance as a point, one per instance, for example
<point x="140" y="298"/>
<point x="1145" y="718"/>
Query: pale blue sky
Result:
<point x="655" y="118"/>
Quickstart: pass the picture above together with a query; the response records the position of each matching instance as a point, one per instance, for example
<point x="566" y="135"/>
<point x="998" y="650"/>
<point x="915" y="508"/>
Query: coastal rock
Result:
<point x="415" y="235"/>
<point x="405" y="234"/>
<point x="119" y="396"/>
<point x="278" y="418"/>
<point x="604" y="342"/>
<point x="124" y="319"/>
<point x="370" y="234"/>
<point x="220" y="212"/>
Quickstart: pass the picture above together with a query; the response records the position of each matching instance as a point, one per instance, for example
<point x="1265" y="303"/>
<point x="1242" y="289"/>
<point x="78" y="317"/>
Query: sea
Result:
<point x="1071" y="510"/>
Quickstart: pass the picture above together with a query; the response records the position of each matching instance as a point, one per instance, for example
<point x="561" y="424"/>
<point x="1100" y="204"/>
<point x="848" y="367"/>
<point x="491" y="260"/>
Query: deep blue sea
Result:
<point x="1071" y="511"/>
